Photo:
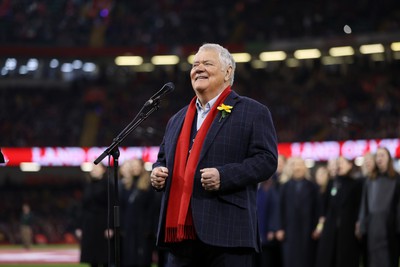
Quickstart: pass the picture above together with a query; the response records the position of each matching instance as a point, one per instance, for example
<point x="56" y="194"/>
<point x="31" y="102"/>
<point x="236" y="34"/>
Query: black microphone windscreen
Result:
<point x="170" y="87"/>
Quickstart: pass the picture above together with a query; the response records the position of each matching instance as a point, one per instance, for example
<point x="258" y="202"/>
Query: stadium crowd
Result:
<point x="152" y="23"/>
<point x="317" y="103"/>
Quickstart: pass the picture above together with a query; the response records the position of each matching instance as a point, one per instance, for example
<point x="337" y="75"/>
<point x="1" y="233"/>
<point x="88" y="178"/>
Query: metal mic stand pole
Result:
<point x="113" y="151"/>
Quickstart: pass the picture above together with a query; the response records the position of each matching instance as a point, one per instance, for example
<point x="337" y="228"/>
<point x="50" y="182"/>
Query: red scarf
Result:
<point x="179" y="222"/>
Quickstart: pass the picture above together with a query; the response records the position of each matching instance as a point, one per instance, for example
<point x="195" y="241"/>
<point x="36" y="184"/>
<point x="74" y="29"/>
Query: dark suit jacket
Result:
<point x="243" y="147"/>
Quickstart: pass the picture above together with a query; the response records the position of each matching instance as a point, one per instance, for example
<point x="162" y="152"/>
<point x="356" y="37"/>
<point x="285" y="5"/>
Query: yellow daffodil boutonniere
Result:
<point x="225" y="110"/>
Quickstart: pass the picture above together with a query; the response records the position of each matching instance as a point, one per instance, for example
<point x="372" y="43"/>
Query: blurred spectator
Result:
<point x="26" y="226"/>
<point x="332" y="166"/>
<point x="299" y="217"/>
<point x="268" y="195"/>
<point x="51" y="198"/>
<point x="96" y="230"/>
<point x="368" y="166"/>
<point x="367" y="169"/>
<point x="140" y="215"/>
<point x="36" y="116"/>
<point x="287" y="171"/>
<point x="380" y="212"/>
<point x="338" y="245"/>
<point x="141" y="23"/>
<point x="324" y="184"/>
<point x="125" y="189"/>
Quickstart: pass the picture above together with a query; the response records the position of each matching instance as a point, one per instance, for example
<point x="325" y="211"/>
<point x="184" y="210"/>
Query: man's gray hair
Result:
<point x="224" y="56"/>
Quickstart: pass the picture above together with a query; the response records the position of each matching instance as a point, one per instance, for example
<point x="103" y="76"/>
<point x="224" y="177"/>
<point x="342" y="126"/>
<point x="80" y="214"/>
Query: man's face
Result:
<point x="207" y="72"/>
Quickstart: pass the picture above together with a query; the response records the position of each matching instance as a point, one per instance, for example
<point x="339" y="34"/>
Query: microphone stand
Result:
<point x="113" y="151"/>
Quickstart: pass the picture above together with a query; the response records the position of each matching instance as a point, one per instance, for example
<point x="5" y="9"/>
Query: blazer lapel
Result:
<point x="173" y="138"/>
<point x="216" y="125"/>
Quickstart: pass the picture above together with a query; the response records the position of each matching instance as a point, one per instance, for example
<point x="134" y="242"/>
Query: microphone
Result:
<point x="166" y="89"/>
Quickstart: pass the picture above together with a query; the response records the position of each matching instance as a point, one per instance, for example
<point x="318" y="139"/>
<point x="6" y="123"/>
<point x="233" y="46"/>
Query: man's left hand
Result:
<point x="210" y="179"/>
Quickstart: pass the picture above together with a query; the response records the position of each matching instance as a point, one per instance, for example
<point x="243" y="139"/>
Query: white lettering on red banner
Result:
<point x="75" y="156"/>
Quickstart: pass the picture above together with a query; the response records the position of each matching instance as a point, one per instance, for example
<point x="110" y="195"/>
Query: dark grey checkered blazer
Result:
<point x="243" y="147"/>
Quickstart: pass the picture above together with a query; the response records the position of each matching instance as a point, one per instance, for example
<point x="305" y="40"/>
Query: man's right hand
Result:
<point x="158" y="177"/>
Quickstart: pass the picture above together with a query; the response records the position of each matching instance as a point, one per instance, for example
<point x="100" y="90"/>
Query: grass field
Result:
<point x="44" y="264"/>
<point x="40" y="255"/>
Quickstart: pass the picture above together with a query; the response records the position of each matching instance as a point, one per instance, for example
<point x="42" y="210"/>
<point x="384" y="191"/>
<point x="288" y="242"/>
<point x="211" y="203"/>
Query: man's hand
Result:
<point x="210" y="179"/>
<point x="158" y="177"/>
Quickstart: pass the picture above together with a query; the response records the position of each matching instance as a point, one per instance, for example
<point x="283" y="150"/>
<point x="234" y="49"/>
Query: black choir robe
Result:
<point x="299" y="217"/>
<point x="338" y="245"/>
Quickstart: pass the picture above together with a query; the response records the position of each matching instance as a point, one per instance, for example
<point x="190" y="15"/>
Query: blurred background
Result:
<point x="74" y="73"/>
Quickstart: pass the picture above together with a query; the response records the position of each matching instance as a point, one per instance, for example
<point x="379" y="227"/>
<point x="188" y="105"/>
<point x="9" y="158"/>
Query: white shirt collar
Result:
<point x="207" y="106"/>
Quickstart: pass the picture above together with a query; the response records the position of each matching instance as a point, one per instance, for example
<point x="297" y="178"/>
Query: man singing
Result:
<point x="214" y="153"/>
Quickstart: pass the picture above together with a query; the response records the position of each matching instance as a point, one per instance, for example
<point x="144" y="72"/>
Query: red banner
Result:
<point x="72" y="156"/>
<point x="351" y="149"/>
<point x="75" y="156"/>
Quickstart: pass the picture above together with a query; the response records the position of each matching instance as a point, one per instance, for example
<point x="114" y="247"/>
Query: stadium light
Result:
<point x="273" y="56"/>
<point x="307" y="53"/>
<point x="128" y="60"/>
<point x="66" y="67"/>
<point x="241" y="57"/>
<point x="190" y="59"/>
<point x="372" y="49"/>
<point x="89" y="67"/>
<point x="395" y="46"/>
<point x="165" y="60"/>
<point x="77" y="64"/>
<point x="32" y="64"/>
<point x="11" y="64"/>
<point x="54" y="63"/>
<point x="238" y="57"/>
<point x="29" y="166"/>
<point x="341" y="51"/>
<point x="23" y="70"/>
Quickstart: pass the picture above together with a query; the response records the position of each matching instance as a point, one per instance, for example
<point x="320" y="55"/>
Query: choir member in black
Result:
<point x="299" y="217"/>
<point x="338" y="245"/>
<point x="367" y="170"/>
<point x="368" y="165"/>
<point x="380" y="212"/>
<point x="268" y="216"/>
<point x="125" y="190"/>
<point x="332" y="168"/>
<point x="324" y="184"/>
<point x="140" y="215"/>
<point x="95" y="230"/>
